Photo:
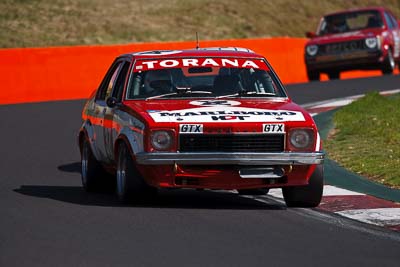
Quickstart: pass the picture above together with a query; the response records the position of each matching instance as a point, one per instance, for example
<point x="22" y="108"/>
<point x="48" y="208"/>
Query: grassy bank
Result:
<point x="366" y="138"/>
<point x="32" y="23"/>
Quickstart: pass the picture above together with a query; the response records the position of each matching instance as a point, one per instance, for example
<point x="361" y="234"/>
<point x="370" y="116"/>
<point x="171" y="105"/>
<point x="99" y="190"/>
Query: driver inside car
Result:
<point x="157" y="82"/>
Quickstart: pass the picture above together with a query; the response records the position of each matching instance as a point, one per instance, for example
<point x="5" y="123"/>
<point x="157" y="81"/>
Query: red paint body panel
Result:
<point x="221" y="177"/>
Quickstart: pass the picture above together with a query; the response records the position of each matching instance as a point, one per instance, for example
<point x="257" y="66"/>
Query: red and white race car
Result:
<point x="355" y="39"/>
<point x="213" y="118"/>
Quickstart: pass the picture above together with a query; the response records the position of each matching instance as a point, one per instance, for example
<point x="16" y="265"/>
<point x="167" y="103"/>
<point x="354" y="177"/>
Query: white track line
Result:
<point x="381" y="217"/>
<point x="329" y="190"/>
<point x="327" y="103"/>
<point x="275" y="192"/>
<point x="336" y="103"/>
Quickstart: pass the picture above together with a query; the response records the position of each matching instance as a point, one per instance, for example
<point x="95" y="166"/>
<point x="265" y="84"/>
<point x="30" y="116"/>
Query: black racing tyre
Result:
<point x="92" y="173"/>
<point x="130" y="185"/>
<point x="312" y="75"/>
<point x="334" y="75"/>
<point x="389" y="64"/>
<point x="307" y="196"/>
<point x="254" y="192"/>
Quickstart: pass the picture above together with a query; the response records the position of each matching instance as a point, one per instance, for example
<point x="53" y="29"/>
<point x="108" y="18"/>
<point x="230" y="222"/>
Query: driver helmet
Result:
<point x="157" y="82"/>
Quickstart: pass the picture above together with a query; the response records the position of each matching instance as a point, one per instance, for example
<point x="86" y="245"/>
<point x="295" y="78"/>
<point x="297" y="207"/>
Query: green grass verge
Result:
<point x="366" y="138"/>
<point x="32" y="23"/>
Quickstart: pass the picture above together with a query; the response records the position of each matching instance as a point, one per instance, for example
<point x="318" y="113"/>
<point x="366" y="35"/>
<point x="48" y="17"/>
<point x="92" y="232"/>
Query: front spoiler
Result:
<point x="282" y="158"/>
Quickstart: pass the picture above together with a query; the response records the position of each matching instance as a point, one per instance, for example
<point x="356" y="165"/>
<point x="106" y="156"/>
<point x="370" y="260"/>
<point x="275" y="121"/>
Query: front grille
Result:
<point x="343" y="47"/>
<point x="231" y="142"/>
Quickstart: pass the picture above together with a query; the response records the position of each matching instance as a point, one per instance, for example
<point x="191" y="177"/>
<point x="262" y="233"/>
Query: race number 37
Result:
<point x="191" y="128"/>
<point x="274" y="128"/>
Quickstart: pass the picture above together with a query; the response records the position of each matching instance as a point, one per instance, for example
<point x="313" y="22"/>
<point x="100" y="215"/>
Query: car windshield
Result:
<point x="351" y="21"/>
<point x="202" y="77"/>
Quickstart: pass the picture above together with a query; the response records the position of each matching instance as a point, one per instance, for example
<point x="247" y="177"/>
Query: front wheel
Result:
<point x="334" y="75"/>
<point x="306" y="196"/>
<point x="389" y="63"/>
<point x="312" y="75"/>
<point x="130" y="184"/>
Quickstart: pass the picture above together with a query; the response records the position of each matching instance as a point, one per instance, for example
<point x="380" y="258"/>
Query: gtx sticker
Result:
<point x="199" y="62"/>
<point x="225" y="114"/>
<point x="191" y="128"/>
<point x="212" y="103"/>
<point x="274" y="128"/>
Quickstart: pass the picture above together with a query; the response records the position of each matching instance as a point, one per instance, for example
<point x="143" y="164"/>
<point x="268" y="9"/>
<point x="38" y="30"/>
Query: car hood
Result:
<point x="239" y="110"/>
<point x="347" y="36"/>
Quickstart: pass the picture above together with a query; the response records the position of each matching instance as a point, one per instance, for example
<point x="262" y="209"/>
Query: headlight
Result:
<point x="312" y="50"/>
<point x="161" y="140"/>
<point x="372" y="42"/>
<point x="301" y="139"/>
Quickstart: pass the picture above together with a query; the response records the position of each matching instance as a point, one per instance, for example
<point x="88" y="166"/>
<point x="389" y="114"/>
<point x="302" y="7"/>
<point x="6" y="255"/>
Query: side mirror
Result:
<point x="310" y="34"/>
<point x="111" y="102"/>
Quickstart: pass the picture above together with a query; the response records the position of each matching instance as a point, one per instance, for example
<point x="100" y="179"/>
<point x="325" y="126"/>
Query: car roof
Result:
<point x="200" y="52"/>
<point x="380" y="9"/>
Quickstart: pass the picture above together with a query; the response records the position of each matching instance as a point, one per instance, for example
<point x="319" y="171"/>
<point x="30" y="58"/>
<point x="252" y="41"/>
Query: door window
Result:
<point x="120" y="82"/>
<point x="107" y="84"/>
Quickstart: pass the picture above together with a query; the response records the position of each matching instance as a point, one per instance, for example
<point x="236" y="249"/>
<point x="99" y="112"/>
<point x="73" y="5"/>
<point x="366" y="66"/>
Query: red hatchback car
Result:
<point x="357" y="39"/>
<point x="215" y="118"/>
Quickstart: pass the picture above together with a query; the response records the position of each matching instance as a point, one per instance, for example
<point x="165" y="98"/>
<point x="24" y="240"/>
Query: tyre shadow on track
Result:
<point x="70" y="167"/>
<point x="169" y="199"/>
<point x="182" y="198"/>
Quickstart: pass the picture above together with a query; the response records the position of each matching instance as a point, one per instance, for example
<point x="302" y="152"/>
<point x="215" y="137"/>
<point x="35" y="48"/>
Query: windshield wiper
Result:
<point x="179" y="92"/>
<point x="244" y="93"/>
<point x="188" y="90"/>
<point x="161" y="96"/>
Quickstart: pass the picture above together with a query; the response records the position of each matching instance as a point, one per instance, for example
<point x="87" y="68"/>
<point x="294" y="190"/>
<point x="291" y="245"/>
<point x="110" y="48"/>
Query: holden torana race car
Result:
<point x="357" y="39"/>
<point x="213" y="118"/>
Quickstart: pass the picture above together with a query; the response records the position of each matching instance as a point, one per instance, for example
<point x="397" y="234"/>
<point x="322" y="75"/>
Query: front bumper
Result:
<point x="363" y="60"/>
<point x="285" y="158"/>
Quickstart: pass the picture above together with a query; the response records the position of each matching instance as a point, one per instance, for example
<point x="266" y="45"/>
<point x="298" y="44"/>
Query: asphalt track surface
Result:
<point x="46" y="219"/>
